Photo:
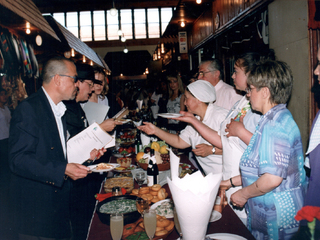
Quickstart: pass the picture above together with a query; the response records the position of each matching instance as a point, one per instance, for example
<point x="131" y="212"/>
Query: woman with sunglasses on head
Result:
<point x="242" y="117"/>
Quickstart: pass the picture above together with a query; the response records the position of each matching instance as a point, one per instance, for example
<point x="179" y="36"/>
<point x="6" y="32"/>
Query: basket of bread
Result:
<point x="161" y="154"/>
<point x="137" y="231"/>
<point x="153" y="194"/>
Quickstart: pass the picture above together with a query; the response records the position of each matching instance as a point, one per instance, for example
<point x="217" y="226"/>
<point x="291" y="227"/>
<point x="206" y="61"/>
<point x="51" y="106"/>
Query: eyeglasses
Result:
<point x="249" y="89"/>
<point x="75" y="78"/>
<point x="201" y="73"/>
<point x="90" y="84"/>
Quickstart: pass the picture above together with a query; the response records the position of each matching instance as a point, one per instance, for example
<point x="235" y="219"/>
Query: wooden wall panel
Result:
<point x="230" y="11"/>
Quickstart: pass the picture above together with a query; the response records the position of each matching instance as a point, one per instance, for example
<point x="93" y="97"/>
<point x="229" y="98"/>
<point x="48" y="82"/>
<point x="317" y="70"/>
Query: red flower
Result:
<point x="308" y="213"/>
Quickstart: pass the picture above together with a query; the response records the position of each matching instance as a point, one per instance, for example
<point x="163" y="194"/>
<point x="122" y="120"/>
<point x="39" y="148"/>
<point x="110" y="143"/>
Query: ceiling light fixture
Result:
<point x="162" y="48"/>
<point x="125" y="50"/>
<point x="123" y="39"/>
<point x="113" y="10"/>
<point x="28" y="31"/>
<point x="38" y="40"/>
<point x="72" y="52"/>
<point x="182" y="24"/>
<point x="147" y="71"/>
<point x="83" y="59"/>
<point x="119" y="32"/>
<point x="198" y="1"/>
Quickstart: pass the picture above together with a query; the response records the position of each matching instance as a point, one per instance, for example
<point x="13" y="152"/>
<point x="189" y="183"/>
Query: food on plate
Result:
<point x="135" y="231"/>
<point x="163" y="149"/>
<point x="102" y="166"/>
<point x="165" y="208"/>
<point x="126" y="150"/>
<point x="151" y="194"/>
<point x="124" y="161"/>
<point x="119" y="206"/>
<point x="155" y="146"/>
<point x="184" y="166"/>
<point x="122" y="182"/>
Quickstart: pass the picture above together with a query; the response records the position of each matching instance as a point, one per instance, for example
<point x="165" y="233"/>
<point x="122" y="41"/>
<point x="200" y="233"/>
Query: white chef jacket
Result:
<point x="213" y="118"/>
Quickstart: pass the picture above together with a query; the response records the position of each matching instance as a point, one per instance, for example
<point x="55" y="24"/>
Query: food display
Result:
<point x="164" y="208"/>
<point x="125" y="169"/>
<point x="102" y="166"/>
<point x="161" y="155"/>
<point x="124" y="161"/>
<point x="137" y="231"/>
<point x="184" y="169"/>
<point x="119" y="206"/>
<point x="123" y="182"/>
<point x="126" y="136"/>
<point x="153" y="194"/>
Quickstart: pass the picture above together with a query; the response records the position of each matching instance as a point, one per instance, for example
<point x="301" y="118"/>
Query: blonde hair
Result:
<point x="181" y="88"/>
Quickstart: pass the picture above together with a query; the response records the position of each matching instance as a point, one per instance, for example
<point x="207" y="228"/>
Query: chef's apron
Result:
<point x="231" y="155"/>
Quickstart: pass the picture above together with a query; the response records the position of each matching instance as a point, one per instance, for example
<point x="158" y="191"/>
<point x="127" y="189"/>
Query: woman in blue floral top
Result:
<point x="272" y="173"/>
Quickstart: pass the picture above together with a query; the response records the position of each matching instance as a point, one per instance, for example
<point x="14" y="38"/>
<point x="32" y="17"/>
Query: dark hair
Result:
<point x="276" y="76"/>
<point x="249" y="60"/>
<point x="53" y="66"/>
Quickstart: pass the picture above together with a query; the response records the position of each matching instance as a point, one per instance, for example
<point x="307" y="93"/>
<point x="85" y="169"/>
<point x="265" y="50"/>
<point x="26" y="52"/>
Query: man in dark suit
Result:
<point x="37" y="156"/>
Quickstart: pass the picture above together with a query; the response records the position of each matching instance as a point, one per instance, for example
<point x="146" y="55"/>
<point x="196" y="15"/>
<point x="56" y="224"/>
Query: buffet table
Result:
<point x="229" y="222"/>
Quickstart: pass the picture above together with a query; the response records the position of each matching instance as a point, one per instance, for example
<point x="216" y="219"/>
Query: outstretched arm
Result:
<point x="206" y="132"/>
<point x="171" y="139"/>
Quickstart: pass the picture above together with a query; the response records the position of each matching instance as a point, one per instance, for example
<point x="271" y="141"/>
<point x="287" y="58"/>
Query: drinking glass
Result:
<point x="142" y="205"/>
<point x="150" y="222"/>
<point x="176" y="222"/>
<point x="140" y="178"/>
<point x="116" y="225"/>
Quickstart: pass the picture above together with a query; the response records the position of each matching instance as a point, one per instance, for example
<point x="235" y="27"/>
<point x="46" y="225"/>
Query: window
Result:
<point x="166" y="15"/>
<point x="126" y="23"/>
<point x="59" y="17"/>
<point x="72" y="23"/>
<point x="112" y="26"/>
<point x="140" y="23"/>
<point x="153" y="23"/>
<point x="99" y="26"/>
<point x="85" y="26"/>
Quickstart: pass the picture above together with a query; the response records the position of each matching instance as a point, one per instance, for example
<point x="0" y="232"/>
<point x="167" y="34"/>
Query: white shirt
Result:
<point x="226" y="95"/>
<point x="213" y="118"/>
<point x="58" y="111"/>
<point x="5" y="117"/>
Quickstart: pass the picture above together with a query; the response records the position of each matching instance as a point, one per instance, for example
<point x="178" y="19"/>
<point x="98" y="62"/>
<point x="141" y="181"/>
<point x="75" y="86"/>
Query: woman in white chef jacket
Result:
<point x="199" y="97"/>
<point x="236" y="130"/>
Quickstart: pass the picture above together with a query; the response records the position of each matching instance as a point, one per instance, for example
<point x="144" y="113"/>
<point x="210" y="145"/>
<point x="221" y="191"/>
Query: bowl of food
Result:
<point x="125" y="204"/>
<point x="124" y="161"/>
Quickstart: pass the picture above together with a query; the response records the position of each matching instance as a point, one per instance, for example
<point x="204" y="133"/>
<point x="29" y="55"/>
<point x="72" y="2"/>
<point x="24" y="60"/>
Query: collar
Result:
<point x="218" y="85"/>
<point x="58" y="109"/>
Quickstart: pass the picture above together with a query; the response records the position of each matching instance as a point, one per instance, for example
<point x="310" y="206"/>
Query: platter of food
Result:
<point x="103" y="167"/>
<point x="121" y="169"/>
<point x="169" y="115"/>
<point x="125" y="204"/>
<point x="164" y="208"/>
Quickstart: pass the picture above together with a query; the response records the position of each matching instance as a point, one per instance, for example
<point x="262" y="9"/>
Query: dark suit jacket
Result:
<point x="40" y="192"/>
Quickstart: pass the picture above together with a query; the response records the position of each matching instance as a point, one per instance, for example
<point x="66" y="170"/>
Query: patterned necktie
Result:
<point x="315" y="136"/>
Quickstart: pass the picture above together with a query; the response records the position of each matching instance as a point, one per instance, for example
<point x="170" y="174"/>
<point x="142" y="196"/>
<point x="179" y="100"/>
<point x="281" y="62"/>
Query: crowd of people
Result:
<point x="244" y="132"/>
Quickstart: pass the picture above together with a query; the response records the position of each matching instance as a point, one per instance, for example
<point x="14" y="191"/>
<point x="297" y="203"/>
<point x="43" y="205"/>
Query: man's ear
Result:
<point x="216" y="74"/>
<point x="56" y="79"/>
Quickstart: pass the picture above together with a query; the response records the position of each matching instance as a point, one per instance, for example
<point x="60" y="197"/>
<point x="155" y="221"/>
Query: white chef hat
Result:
<point x="203" y="91"/>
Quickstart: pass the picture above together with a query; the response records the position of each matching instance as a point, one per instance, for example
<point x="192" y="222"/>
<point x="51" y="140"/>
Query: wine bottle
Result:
<point x="152" y="171"/>
<point x="138" y="143"/>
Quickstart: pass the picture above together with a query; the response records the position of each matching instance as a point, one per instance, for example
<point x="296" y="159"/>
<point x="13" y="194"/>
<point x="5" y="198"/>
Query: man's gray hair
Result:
<point x="56" y="65"/>
<point x="215" y="65"/>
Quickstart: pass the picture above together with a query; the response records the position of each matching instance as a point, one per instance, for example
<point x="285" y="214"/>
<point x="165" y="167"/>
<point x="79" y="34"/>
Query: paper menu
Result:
<point x="80" y="146"/>
<point x="194" y="197"/>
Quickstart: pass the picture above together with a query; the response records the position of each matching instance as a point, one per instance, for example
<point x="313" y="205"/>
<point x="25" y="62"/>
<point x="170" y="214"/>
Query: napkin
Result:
<point x="139" y="103"/>
<point x="194" y="197"/>
<point x="102" y="196"/>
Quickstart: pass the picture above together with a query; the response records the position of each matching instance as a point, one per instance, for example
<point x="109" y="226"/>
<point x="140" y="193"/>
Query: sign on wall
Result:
<point x="183" y="42"/>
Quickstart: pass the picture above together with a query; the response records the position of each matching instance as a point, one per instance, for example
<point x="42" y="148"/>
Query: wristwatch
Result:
<point x="213" y="149"/>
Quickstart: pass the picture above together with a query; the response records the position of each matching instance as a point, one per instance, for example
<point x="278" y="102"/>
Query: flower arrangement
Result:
<point x="309" y="213"/>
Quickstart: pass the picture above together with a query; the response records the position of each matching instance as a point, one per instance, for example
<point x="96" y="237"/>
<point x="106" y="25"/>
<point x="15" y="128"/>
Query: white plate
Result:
<point x="114" y="165"/>
<point x="226" y="236"/>
<point x="155" y="205"/>
<point x="124" y="120"/>
<point x="170" y="115"/>
<point x="215" y="216"/>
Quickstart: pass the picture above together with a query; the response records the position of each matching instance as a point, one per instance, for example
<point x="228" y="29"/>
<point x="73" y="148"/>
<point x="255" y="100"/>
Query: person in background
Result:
<point x="313" y="163"/>
<point x="212" y="71"/>
<point x="199" y="97"/>
<point x="5" y="117"/>
<point x="272" y="174"/>
<point x="100" y="87"/>
<point x="175" y="102"/>
<point x="82" y="193"/>
<point x="240" y="115"/>
<point x="41" y="179"/>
